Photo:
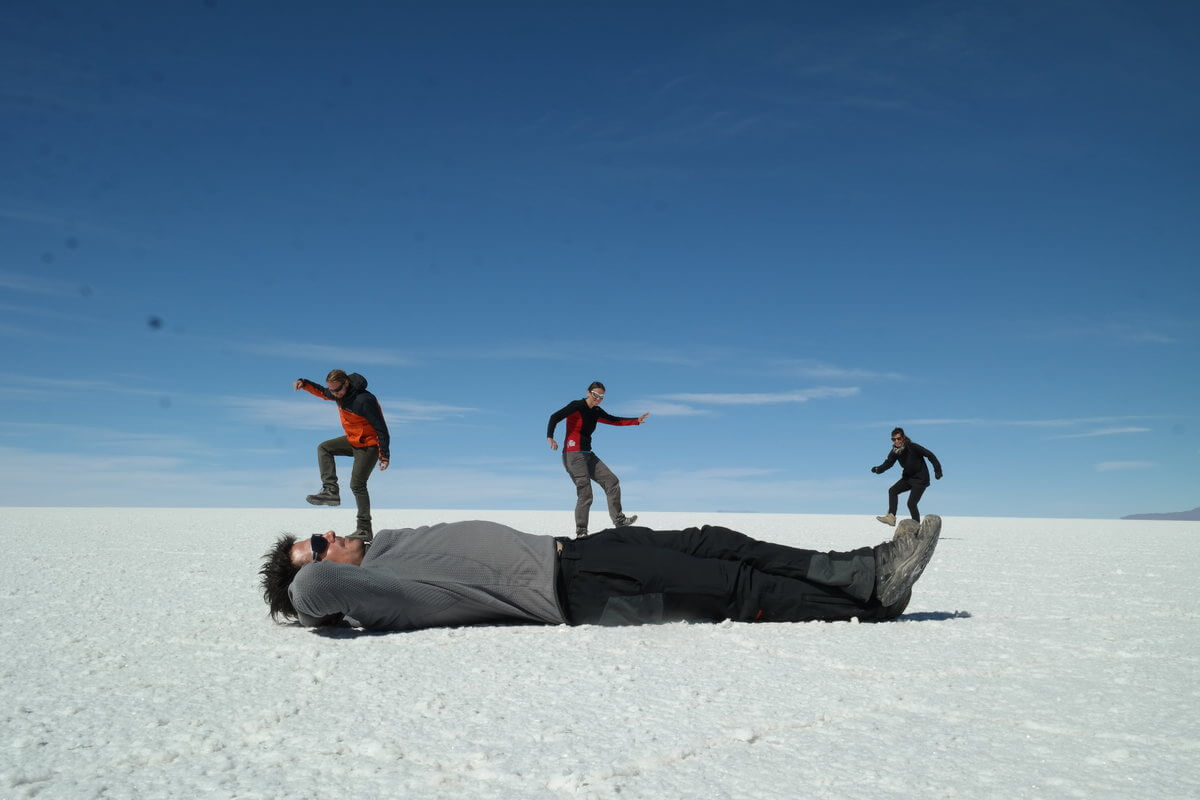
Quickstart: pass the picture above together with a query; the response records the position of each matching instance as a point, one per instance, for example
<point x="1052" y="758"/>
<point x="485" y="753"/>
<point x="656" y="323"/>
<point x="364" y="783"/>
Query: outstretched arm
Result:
<point x="312" y="388"/>
<point x="886" y="465"/>
<point x="609" y="419"/>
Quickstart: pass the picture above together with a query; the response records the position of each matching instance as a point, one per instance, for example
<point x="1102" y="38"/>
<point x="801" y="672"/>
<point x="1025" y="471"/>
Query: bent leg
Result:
<point x="894" y="492"/>
<point x="914" y="497"/>
<point x="612" y="489"/>
<point x="325" y="452"/>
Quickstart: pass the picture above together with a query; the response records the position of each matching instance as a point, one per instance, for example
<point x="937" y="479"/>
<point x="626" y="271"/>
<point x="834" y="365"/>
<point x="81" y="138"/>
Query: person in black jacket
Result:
<point x="914" y="477"/>
<point x="366" y="441"/>
<point x="581" y="463"/>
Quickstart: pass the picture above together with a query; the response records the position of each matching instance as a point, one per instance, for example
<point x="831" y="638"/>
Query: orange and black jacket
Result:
<point x="361" y="415"/>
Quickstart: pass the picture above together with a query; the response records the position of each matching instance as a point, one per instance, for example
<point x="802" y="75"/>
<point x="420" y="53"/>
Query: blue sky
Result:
<point x="781" y="228"/>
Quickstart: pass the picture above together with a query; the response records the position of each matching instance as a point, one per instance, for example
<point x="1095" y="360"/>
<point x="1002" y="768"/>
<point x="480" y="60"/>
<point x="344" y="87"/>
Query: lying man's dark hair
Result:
<point x="278" y="572"/>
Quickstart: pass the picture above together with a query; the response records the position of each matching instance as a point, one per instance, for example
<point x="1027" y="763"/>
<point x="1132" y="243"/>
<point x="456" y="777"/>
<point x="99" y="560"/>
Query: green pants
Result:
<point x="364" y="462"/>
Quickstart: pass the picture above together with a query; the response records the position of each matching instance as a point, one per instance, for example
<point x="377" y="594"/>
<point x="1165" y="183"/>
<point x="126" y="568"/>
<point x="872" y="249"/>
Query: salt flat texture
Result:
<point x="1039" y="658"/>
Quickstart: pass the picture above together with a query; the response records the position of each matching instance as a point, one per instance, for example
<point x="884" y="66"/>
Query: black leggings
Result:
<point x="633" y="576"/>
<point x="914" y="489"/>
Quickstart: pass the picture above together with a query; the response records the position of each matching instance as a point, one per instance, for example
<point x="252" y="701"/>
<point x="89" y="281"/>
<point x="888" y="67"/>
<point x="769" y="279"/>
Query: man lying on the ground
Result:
<point x="466" y="573"/>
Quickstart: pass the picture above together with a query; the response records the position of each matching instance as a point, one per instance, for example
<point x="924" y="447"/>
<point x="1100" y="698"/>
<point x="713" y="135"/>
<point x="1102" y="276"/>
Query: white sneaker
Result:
<point x="887" y="519"/>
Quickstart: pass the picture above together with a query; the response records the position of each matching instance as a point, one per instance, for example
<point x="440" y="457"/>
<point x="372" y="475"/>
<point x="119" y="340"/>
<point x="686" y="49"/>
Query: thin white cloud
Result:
<point x="1110" y="466"/>
<point x="17" y="282"/>
<point x="73" y="385"/>
<point x="765" y="398"/>
<point x="811" y="368"/>
<point x="662" y="409"/>
<point x="308" y="413"/>
<point x="562" y="351"/>
<point x="125" y="443"/>
<point x="1064" y="422"/>
<point x="13" y="330"/>
<point x="417" y="411"/>
<point x="1137" y="332"/>
<point x="1151" y="337"/>
<point x="84" y="231"/>
<point x="44" y="313"/>
<point x="1102" y="432"/>
<point x="325" y="354"/>
<point x="730" y="473"/>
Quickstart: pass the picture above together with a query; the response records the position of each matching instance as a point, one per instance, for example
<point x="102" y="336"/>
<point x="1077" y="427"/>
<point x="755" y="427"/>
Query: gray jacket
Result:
<point x="457" y="573"/>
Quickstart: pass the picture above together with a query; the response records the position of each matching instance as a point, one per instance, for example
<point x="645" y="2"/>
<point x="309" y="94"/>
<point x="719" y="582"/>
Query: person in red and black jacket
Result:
<point x="366" y="440"/>
<point x="581" y="463"/>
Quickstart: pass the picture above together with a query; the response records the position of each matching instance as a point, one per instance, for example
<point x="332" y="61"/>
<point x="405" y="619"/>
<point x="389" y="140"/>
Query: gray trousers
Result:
<point x="585" y="467"/>
<point x="364" y="462"/>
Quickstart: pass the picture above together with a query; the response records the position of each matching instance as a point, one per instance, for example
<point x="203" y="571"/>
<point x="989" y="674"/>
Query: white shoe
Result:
<point x="887" y="519"/>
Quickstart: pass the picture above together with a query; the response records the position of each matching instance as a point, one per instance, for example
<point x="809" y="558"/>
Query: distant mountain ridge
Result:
<point x="1192" y="515"/>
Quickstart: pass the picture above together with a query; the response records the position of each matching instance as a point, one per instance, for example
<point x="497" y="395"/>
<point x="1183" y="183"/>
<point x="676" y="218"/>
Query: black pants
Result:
<point x="914" y="488"/>
<point x="633" y="576"/>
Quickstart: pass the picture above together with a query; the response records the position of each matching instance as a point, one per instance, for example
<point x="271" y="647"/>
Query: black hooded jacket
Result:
<point x="912" y="461"/>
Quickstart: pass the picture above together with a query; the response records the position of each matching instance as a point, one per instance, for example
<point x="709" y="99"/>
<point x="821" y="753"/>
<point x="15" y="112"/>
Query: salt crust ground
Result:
<point x="1039" y="658"/>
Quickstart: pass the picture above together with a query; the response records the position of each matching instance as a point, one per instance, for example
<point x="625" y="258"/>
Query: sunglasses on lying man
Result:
<point x="319" y="547"/>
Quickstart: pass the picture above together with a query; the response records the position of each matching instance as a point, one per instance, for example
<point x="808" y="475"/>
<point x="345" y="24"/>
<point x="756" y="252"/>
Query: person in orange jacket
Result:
<point x="366" y="441"/>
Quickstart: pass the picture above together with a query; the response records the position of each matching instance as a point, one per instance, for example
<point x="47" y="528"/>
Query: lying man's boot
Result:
<point x="900" y="562"/>
<point x="905" y="527"/>
<point x="897" y="608"/>
<point x="325" y="497"/>
<point x="887" y="519"/>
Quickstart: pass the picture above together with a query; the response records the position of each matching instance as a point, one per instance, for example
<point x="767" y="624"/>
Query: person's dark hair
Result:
<point x="277" y="573"/>
<point x="337" y="376"/>
<point x="901" y="432"/>
<point x="596" y="385"/>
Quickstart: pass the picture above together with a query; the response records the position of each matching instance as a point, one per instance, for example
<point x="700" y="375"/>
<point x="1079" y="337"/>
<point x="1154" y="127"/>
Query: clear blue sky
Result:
<point x="780" y="227"/>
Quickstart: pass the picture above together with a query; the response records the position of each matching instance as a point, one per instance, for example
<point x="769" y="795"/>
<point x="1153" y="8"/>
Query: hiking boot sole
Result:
<point x="906" y="572"/>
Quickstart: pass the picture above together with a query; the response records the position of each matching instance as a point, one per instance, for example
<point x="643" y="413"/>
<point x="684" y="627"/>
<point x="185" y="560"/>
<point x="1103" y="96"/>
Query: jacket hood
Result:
<point x="357" y="382"/>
